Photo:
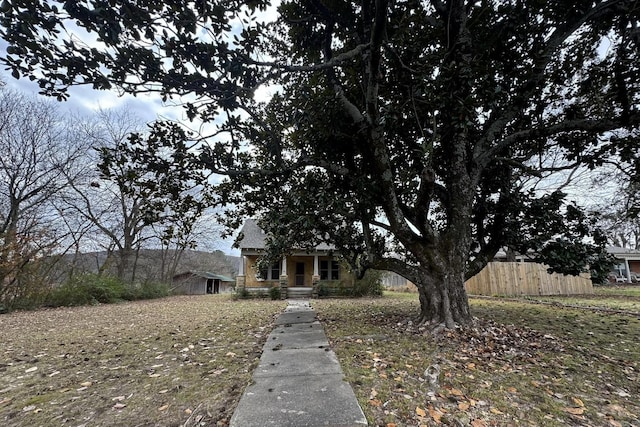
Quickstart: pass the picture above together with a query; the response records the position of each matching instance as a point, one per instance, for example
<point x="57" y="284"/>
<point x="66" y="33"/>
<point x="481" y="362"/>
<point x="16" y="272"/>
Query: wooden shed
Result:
<point x="202" y="283"/>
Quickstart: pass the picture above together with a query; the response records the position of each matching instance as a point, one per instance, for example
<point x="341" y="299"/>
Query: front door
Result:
<point x="216" y="286"/>
<point x="209" y="286"/>
<point x="299" y="273"/>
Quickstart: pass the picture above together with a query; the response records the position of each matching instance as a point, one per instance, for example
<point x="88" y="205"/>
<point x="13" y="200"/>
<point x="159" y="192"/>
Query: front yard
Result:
<point x="184" y="361"/>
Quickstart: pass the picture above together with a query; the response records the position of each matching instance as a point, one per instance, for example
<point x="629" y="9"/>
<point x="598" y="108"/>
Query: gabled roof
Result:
<point x="251" y="236"/>
<point x="206" y="275"/>
<point x="619" y="252"/>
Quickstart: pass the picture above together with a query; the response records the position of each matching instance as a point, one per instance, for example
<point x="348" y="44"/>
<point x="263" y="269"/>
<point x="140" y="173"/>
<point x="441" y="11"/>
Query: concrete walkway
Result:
<point x="298" y="381"/>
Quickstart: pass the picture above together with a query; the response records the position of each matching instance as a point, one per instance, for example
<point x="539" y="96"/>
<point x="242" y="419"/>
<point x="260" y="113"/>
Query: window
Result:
<point x="275" y="271"/>
<point x="329" y="270"/>
<point x="272" y="273"/>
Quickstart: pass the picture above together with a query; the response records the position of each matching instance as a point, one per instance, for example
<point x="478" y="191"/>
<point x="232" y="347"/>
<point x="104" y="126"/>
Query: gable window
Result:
<point x="329" y="270"/>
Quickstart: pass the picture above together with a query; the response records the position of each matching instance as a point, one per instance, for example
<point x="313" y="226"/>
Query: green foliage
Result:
<point x="440" y="117"/>
<point x="146" y="290"/>
<point x="242" y="293"/>
<point x="323" y="289"/>
<point x="275" y="293"/>
<point x="87" y="289"/>
<point x="369" y="285"/>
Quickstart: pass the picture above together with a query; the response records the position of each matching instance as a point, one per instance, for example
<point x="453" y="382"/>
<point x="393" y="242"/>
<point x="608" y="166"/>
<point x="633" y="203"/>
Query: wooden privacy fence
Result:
<point x="525" y="278"/>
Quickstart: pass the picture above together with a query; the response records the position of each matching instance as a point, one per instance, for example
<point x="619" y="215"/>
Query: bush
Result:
<point x="87" y="289"/>
<point x="275" y="293"/>
<point x="369" y="285"/>
<point x="323" y="289"/>
<point x="242" y="293"/>
<point x="147" y="290"/>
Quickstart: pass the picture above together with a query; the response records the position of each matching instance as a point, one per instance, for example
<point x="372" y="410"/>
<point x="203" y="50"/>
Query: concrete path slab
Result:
<point x="298" y="381"/>
<point x="293" y="317"/>
<point x="302" y="361"/>
<point x="291" y="339"/>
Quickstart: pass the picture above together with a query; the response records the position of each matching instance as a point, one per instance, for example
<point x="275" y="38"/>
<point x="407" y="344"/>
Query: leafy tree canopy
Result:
<point x="414" y="135"/>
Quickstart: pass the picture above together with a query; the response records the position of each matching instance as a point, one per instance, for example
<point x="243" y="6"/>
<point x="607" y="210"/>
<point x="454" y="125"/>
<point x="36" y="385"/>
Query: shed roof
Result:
<point x="206" y="275"/>
<point x="251" y="236"/>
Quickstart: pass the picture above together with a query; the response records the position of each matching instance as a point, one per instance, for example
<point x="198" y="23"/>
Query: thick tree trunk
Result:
<point x="444" y="300"/>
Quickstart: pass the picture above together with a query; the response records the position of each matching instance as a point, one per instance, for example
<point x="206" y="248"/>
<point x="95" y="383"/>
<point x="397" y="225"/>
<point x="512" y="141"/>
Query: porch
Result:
<point x="297" y="275"/>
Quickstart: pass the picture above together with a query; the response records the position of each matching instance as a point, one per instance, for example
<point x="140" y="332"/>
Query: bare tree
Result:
<point x="37" y="162"/>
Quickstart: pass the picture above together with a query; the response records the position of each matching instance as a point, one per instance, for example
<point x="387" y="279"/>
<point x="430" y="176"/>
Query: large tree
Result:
<point x="38" y="159"/>
<point x="405" y="132"/>
<point x="144" y="186"/>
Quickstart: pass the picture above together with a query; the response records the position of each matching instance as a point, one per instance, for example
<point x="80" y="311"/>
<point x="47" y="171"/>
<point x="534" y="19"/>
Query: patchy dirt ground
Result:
<point x="180" y="361"/>
<point x="520" y="364"/>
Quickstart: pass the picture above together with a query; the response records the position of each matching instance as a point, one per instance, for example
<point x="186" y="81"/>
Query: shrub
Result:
<point x="275" y="293"/>
<point x="369" y="285"/>
<point x="87" y="289"/>
<point x="146" y="290"/>
<point x="323" y="289"/>
<point x="242" y="293"/>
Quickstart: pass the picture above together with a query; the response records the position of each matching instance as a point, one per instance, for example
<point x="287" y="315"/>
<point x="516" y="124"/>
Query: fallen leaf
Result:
<point x="575" y="411"/>
<point x="421" y="412"/>
<point x="496" y="411"/>
<point x="375" y="402"/>
<point x="231" y="354"/>
<point x="512" y="390"/>
<point x="456" y="392"/>
<point x="391" y="424"/>
<point x="578" y="402"/>
<point x="86" y="384"/>
<point x="463" y="406"/>
<point x="119" y="406"/>
<point x="478" y="423"/>
<point x="436" y="414"/>
<point x="35" y="368"/>
<point x="163" y="407"/>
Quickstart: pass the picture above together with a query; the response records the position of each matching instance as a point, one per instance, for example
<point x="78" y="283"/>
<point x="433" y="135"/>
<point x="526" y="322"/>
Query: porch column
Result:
<point x="315" y="279"/>
<point x="241" y="266"/>
<point x="284" y="279"/>
<point x="240" y="279"/>
<point x="628" y="270"/>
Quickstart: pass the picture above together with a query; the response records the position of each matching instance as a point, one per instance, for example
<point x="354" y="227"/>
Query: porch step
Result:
<point x="299" y="292"/>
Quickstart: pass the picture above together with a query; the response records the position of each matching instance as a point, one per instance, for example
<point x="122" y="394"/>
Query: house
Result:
<point x="201" y="283"/>
<point x="301" y="274"/>
<point x="628" y="268"/>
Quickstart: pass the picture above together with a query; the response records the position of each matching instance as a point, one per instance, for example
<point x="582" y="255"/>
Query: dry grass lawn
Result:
<point x="184" y="361"/>
<point x="522" y="363"/>
<point x="178" y="361"/>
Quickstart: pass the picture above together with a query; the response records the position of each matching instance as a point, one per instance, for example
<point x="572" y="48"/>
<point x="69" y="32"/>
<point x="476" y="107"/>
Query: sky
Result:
<point x="84" y="100"/>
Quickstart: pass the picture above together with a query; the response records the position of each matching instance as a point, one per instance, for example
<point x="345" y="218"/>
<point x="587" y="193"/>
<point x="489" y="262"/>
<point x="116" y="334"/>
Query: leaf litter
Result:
<point x="163" y="362"/>
<point x="518" y="364"/>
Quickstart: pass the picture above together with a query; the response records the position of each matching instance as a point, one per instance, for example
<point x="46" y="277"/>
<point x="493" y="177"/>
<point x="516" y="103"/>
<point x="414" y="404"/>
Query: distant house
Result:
<point x="201" y="283"/>
<point x="628" y="267"/>
<point x="301" y="274"/>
